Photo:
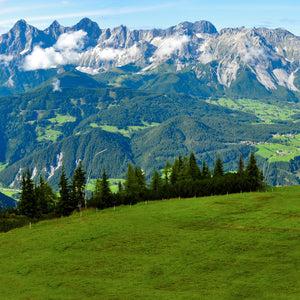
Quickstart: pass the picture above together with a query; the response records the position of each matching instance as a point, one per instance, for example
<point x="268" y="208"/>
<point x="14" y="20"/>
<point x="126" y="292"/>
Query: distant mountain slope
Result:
<point x="6" y="201"/>
<point x="69" y="151"/>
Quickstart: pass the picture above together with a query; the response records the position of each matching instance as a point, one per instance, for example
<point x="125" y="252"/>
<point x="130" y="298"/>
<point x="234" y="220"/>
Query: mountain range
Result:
<point x="272" y="56"/>
<point x="147" y="96"/>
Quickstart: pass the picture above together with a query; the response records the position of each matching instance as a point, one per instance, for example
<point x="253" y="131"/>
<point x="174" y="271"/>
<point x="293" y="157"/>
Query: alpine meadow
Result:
<point x="149" y="163"/>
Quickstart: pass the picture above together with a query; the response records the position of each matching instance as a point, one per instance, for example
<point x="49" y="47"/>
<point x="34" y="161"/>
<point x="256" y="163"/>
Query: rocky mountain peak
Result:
<point x="91" y="28"/>
<point x="273" y="56"/>
<point x="54" y="31"/>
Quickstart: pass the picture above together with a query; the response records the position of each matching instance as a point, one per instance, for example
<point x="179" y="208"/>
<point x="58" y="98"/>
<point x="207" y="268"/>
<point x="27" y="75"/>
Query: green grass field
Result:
<point x="60" y="119"/>
<point x="113" y="184"/>
<point x="265" y="112"/>
<point x="126" y="132"/>
<point x="242" y="246"/>
<point x="288" y="149"/>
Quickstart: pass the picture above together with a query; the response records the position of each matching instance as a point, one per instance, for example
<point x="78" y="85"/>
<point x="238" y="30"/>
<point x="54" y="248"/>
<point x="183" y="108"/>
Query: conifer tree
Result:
<point x="102" y="196"/>
<point x="184" y="169"/>
<point x="141" y="178"/>
<point x="166" y="172"/>
<point x="253" y="175"/>
<point x="120" y="187"/>
<point x="176" y="168"/>
<point x="218" y="169"/>
<point x="45" y="197"/>
<point x="205" y="171"/>
<point x="131" y="190"/>
<point x="156" y="185"/>
<point x="78" y="185"/>
<point x="241" y="165"/>
<point x="27" y="204"/>
<point x="65" y="204"/>
<point x="194" y="169"/>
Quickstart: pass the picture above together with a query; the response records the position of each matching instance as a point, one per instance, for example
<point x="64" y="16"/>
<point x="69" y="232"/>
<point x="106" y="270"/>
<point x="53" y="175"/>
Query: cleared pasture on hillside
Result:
<point x="242" y="246"/>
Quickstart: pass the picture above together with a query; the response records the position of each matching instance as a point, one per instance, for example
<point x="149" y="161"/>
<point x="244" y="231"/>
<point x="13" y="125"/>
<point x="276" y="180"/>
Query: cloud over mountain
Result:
<point x="65" y="51"/>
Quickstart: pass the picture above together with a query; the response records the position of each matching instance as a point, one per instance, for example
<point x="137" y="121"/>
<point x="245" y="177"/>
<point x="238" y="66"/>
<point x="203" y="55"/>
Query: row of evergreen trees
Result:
<point x="184" y="178"/>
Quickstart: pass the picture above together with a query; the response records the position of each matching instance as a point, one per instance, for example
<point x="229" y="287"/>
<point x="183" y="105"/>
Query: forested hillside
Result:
<point x="44" y="128"/>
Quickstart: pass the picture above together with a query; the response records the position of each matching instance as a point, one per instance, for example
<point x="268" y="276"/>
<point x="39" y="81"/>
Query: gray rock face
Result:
<point x="273" y="56"/>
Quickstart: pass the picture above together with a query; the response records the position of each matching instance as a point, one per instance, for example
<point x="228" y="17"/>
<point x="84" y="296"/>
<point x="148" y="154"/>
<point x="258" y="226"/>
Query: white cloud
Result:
<point x="65" y="51"/>
<point x="170" y="45"/>
<point x="5" y="59"/>
<point x="56" y="85"/>
<point x="70" y="41"/>
<point x="252" y="54"/>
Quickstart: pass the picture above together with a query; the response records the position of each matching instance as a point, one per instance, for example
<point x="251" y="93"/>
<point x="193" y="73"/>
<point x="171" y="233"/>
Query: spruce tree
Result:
<point x="156" y="186"/>
<point x="27" y="204"/>
<point x="194" y="169"/>
<point x="102" y="196"/>
<point x="253" y="175"/>
<point x="45" y="197"/>
<point x="241" y="165"/>
<point x="166" y="172"/>
<point x="105" y="190"/>
<point x="78" y="185"/>
<point x="176" y="169"/>
<point x="218" y="169"/>
<point x="65" y="204"/>
<point x="131" y="190"/>
<point x="141" y="178"/>
<point x="120" y="187"/>
<point x="205" y="171"/>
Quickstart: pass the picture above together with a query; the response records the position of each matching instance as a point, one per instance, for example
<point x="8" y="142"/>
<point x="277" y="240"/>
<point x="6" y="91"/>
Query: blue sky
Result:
<point x="154" y="13"/>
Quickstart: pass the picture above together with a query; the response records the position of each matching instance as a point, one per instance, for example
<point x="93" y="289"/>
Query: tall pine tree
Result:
<point x="156" y="186"/>
<point x="78" y="186"/>
<point x="194" y="169"/>
<point x="28" y="204"/>
<point x="218" y="169"/>
<point x="253" y="175"/>
<point x="45" y="197"/>
<point x="65" y="204"/>
<point x="102" y="196"/>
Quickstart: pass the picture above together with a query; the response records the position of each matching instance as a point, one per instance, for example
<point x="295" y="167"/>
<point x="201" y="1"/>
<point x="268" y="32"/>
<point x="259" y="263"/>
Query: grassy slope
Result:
<point x="289" y="149"/>
<point x="265" y="112"/>
<point x="226" y="247"/>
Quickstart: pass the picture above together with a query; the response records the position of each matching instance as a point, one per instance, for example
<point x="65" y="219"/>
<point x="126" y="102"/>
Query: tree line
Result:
<point x="184" y="178"/>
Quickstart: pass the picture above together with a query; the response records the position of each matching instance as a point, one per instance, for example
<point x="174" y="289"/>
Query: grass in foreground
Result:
<point x="242" y="246"/>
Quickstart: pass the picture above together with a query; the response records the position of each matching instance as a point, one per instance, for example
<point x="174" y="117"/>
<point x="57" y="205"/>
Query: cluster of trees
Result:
<point x="38" y="201"/>
<point x="184" y="178"/>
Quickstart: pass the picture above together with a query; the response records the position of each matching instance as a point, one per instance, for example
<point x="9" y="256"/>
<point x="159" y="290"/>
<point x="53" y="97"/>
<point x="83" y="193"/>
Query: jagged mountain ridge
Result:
<point x="273" y="56"/>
